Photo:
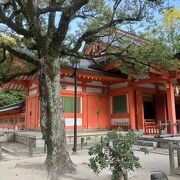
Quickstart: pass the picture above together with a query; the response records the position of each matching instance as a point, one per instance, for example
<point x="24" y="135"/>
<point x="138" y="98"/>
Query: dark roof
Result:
<point x="12" y="107"/>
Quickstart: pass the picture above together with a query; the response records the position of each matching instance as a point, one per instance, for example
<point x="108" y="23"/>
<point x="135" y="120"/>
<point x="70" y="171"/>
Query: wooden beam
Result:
<point x="147" y="81"/>
<point x="175" y="75"/>
<point x="93" y="75"/>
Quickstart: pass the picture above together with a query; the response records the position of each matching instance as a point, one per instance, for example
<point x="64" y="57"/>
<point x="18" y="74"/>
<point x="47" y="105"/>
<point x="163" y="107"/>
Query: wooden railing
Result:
<point x="123" y="125"/>
<point x="151" y="128"/>
<point x="12" y="121"/>
<point x="160" y="128"/>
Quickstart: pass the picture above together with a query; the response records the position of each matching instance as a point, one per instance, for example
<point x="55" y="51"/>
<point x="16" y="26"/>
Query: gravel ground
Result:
<point x="18" y="166"/>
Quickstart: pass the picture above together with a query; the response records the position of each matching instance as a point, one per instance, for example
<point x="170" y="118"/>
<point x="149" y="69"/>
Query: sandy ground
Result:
<point x="25" y="168"/>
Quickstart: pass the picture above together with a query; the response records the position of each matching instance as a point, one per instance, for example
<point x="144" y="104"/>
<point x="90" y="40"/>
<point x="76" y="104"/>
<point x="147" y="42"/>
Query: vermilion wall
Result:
<point x="96" y="107"/>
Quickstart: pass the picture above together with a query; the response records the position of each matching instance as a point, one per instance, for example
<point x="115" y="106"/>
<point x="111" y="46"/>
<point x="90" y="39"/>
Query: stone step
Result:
<point x="6" y="150"/>
<point x="147" y="143"/>
<point x="7" y="137"/>
<point x="39" y="142"/>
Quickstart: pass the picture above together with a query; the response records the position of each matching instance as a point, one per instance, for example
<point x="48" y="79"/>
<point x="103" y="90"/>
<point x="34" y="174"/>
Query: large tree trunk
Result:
<point x="52" y="120"/>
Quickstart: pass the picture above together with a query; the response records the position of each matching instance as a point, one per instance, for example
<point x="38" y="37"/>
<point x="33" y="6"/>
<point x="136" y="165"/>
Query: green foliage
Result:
<point x="7" y="40"/>
<point x="98" y="19"/>
<point x="11" y="97"/>
<point x="115" y="152"/>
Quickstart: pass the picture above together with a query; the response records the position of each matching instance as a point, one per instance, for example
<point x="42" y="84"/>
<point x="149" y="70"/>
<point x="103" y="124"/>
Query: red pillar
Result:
<point x="26" y="109"/>
<point x="84" y="106"/>
<point x="139" y="110"/>
<point x="132" y="111"/>
<point x="171" y="108"/>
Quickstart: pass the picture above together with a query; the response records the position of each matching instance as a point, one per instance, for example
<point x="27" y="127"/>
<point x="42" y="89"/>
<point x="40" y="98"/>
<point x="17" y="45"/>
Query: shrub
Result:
<point x="115" y="152"/>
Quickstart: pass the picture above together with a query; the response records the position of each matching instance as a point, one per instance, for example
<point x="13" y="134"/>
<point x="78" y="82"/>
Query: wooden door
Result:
<point x="97" y="112"/>
<point x="32" y="112"/>
<point x="103" y="112"/>
<point x="92" y="111"/>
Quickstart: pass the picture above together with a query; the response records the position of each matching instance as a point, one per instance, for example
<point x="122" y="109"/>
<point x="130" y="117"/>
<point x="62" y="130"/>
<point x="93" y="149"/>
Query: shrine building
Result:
<point x="106" y="98"/>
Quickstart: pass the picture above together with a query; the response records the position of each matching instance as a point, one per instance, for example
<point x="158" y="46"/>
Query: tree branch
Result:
<point x="52" y="8"/>
<point x="51" y="21"/>
<point x="67" y="14"/>
<point x="117" y="55"/>
<point x="14" y="26"/>
<point x="6" y="78"/>
<point x="20" y="55"/>
<point x="89" y="33"/>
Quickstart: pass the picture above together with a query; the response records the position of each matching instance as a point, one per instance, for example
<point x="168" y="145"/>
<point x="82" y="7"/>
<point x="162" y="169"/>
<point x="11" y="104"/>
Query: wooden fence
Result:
<point x="151" y="128"/>
<point x="12" y="121"/>
<point x="160" y="128"/>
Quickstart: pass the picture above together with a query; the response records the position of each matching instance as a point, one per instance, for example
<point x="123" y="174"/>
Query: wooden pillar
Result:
<point x="132" y="112"/>
<point x="84" y="106"/>
<point x="139" y="110"/>
<point x="26" y="110"/>
<point x="109" y="106"/>
<point x="156" y="104"/>
<point x="171" y="108"/>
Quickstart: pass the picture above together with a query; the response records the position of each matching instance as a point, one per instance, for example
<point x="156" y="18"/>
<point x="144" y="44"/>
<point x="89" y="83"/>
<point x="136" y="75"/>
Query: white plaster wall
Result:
<point x="162" y="88"/>
<point x="94" y="90"/>
<point x="71" y="88"/>
<point x="70" y="121"/>
<point x="69" y="79"/>
<point x="32" y="92"/>
<point x="95" y="83"/>
<point x="33" y="86"/>
<point x="152" y="86"/>
<point x="117" y="120"/>
<point x="119" y="85"/>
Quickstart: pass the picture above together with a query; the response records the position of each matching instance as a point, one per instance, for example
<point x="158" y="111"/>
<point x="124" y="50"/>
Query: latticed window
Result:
<point x="6" y="121"/>
<point x="22" y="119"/>
<point x="68" y="104"/>
<point x="120" y="104"/>
<point x="12" y="121"/>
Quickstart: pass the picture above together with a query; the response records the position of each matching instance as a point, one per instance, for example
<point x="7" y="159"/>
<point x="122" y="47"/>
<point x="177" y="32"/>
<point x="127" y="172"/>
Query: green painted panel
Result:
<point x="22" y="119"/>
<point x="68" y="104"/>
<point x="120" y="104"/>
<point x="12" y="121"/>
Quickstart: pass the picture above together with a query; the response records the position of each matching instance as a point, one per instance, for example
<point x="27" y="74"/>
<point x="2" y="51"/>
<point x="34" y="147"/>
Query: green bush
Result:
<point x="115" y="152"/>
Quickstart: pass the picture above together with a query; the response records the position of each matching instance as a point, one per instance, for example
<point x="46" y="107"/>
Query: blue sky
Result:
<point x="175" y="3"/>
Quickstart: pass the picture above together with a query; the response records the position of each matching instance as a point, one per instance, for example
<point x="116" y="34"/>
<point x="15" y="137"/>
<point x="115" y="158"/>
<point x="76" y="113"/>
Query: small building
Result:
<point x="106" y="98"/>
<point x="12" y="116"/>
